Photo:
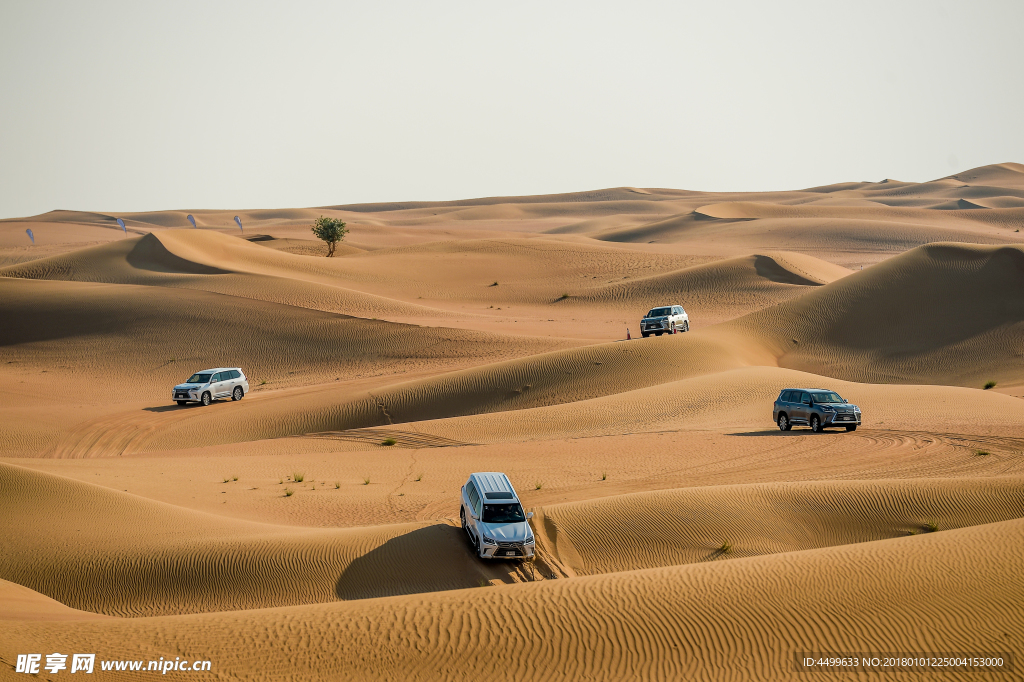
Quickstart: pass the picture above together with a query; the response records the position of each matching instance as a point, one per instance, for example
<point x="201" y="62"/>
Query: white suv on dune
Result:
<point x="494" y="519"/>
<point x="666" y="319"/>
<point x="211" y="384"/>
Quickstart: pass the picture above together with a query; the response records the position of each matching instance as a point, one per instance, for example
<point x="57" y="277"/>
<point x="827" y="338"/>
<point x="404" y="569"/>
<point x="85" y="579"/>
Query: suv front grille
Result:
<point x="510" y="549"/>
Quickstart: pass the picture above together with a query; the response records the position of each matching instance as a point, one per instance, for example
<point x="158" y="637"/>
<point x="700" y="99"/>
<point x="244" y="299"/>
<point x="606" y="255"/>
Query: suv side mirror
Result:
<point x="529" y="515"/>
<point x="807" y="402"/>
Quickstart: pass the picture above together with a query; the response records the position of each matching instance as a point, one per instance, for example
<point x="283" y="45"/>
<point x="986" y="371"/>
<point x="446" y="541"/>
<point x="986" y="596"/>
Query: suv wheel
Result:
<point x="686" y="326"/>
<point x="851" y="428"/>
<point x="237" y="393"/>
<point x="181" y="402"/>
<point x="815" y="423"/>
<point x="784" y="424"/>
<point x="206" y="398"/>
<point x="658" y="333"/>
<point x="645" y="334"/>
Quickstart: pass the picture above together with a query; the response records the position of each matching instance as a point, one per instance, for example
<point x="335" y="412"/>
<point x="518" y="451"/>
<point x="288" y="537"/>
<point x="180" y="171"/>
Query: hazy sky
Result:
<point x="129" y="106"/>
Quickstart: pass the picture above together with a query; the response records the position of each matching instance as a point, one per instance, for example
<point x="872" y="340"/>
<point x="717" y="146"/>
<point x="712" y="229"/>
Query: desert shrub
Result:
<point x="331" y="231"/>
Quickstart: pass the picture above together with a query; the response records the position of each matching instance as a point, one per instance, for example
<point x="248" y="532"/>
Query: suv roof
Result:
<point x="494" y="486"/>
<point x="806" y="389"/>
<point x="218" y="369"/>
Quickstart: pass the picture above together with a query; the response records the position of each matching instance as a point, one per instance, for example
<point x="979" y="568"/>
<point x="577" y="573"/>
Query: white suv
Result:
<point x="210" y="384"/>
<point x="494" y="519"/>
<point x="666" y="319"/>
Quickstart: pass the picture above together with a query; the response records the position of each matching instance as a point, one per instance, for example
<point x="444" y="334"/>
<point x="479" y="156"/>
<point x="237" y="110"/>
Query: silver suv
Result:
<point x="666" y="319"/>
<point x="493" y="518"/>
<point x="211" y="384"/>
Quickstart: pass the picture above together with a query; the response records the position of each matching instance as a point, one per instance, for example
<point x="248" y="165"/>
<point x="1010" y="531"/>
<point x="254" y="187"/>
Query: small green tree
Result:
<point x="331" y="230"/>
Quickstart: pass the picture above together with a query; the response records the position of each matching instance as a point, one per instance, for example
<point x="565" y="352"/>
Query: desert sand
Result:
<point x="681" y="535"/>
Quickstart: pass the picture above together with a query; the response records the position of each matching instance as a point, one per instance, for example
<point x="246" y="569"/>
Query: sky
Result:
<point x="134" y="106"/>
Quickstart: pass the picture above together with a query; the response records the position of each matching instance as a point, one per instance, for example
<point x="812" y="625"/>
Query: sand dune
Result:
<point x="722" y="620"/>
<point x="724" y="522"/>
<point x="916" y="317"/>
<point x="724" y="289"/>
<point x="682" y="535"/>
<point x="199" y="562"/>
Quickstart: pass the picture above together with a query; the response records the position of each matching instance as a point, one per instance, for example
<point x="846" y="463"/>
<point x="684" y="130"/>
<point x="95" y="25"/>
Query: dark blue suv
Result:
<point x="818" y="408"/>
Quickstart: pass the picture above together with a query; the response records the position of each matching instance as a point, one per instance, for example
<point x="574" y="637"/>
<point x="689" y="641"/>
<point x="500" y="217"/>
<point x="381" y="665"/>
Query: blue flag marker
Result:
<point x="238" y="220"/>
<point x="121" y="223"/>
<point x="30" y="235"/>
<point x="191" y="219"/>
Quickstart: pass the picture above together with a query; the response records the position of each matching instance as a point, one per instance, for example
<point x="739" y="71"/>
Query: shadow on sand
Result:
<point x="430" y="559"/>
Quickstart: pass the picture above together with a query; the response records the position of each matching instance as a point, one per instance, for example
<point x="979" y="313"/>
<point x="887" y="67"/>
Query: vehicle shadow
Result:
<point x="187" y="406"/>
<point x="772" y="432"/>
<point x="797" y="431"/>
<point x="429" y="559"/>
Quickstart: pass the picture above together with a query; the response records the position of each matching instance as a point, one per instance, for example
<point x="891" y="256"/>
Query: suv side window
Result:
<point x="215" y="378"/>
<point x="789" y="396"/>
<point x="233" y="374"/>
<point x="676" y="310"/>
<point x="805" y="398"/>
<point x="473" y="495"/>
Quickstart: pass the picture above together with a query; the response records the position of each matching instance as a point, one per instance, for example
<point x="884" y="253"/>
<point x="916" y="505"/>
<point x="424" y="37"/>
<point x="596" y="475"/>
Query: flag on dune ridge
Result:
<point x="30" y="235"/>
<point x="191" y="219"/>
<point x="239" y="221"/>
<point x="121" y="223"/>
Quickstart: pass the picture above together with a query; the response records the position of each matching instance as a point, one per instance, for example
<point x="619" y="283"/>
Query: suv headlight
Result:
<point x="826" y="408"/>
<point x="490" y="541"/>
<point x="530" y="540"/>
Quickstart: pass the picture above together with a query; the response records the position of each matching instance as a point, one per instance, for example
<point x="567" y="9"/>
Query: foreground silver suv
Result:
<point x="493" y="518"/>
<point x="211" y="384"/>
<point x="666" y="319"/>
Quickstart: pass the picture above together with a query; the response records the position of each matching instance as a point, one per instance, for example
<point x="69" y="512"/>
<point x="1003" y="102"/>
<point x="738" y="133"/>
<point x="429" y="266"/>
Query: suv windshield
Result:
<point x="503" y="513"/>
<point x="660" y="312"/>
<point x="198" y="379"/>
<point x="827" y="398"/>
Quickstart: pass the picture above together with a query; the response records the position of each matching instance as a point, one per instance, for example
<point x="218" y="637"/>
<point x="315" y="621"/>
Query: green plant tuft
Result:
<point x="725" y="547"/>
<point x="419" y="477"/>
<point x="337" y="484"/>
<point x="930" y="527"/>
<point x="604" y="475"/>
<point x="288" y="492"/>
<point x="538" y="485"/>
<point x="982" y="453"/>
<point x="366" y="480"/>
<point x="298" y="477"/>
<point x="990" y="384"/>
<point x="234" y="478"/>
<point x="388" y="441"/>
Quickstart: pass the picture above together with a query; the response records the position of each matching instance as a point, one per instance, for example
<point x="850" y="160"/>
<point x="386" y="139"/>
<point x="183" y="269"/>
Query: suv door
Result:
<point x="217" y="385"/>
<point x="231" y="379"/>
<point x="474" y="509"/>
<point x="802" y="408"/>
